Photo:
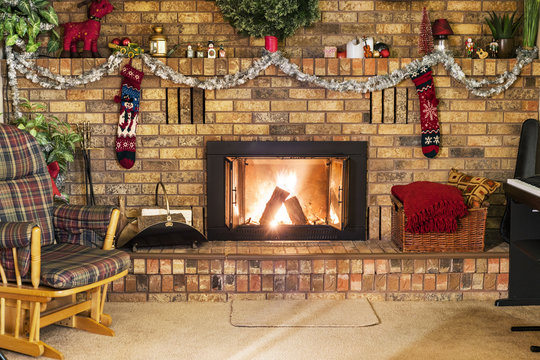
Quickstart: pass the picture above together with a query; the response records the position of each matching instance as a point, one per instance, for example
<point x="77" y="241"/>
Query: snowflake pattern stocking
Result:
<point x="129" y="115"/>
<point x="429" y="118"/>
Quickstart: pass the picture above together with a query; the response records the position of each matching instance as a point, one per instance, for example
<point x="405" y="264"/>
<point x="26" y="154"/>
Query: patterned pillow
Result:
<point x="474" y="188"/>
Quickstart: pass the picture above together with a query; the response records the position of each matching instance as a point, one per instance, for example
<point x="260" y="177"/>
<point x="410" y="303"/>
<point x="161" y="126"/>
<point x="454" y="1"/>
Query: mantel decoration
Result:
<point x="273" y="19"/>
<point x="503" y="28"/>
<point x="430" y="129"/>
<point x="530" y="22"/>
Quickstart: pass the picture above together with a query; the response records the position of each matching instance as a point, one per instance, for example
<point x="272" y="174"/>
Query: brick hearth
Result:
<point x="220" y="271"/>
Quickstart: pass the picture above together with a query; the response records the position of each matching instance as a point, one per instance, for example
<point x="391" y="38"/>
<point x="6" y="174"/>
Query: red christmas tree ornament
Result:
<point x="425" y="42"/>
<point x="87" y="31"/>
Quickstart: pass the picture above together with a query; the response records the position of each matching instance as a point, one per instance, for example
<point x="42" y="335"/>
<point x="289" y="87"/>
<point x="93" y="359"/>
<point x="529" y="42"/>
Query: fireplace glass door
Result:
<point x="284" y="191"/>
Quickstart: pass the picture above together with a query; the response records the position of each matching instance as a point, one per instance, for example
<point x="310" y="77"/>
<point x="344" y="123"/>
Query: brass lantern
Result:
<point x="158" y="42"/>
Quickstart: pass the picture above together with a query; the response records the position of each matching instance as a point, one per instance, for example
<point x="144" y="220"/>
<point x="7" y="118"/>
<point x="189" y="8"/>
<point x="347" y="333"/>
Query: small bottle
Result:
<point x="189" y="52"/>
<point x="200" y="51"/>
<point x="221" y="51"/>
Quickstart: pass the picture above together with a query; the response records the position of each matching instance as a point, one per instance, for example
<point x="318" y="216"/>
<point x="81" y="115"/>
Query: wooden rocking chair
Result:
<point x="56" y="260"/>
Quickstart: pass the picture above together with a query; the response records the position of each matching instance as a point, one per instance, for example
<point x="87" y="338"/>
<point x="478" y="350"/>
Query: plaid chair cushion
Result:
<point x="65" y="266"/>
<point x="20" y="154"/>
<point x="15" y="235"/>
<point x="25" y="189"/>
<point x="83" y="225"/>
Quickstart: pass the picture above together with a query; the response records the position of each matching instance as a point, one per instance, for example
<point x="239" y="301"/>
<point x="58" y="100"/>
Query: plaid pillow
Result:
<point x="475" y="189"/>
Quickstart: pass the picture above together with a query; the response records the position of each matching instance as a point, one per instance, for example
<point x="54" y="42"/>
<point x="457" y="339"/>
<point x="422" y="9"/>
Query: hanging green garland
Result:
<point x="279" y="18"/>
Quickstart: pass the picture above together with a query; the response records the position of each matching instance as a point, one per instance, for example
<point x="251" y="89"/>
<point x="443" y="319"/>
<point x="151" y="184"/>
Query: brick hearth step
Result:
<point x="222" y="270"/>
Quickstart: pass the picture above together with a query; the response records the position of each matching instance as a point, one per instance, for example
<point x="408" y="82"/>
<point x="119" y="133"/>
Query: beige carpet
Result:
<point x="202" y="331"/>
<point x="302" y="313"/>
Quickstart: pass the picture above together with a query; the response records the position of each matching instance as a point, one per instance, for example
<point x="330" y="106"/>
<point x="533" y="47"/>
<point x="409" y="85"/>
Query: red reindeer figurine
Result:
<point x="87" y="31"/>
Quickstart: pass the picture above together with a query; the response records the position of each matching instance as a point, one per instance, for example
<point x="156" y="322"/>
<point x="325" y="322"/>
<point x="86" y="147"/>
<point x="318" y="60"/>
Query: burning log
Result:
<point x="272" y="206"/>
<point x="294" y="209"/>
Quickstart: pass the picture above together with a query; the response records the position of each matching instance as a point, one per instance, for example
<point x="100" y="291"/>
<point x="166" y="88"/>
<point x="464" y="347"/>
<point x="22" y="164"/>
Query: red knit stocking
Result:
<point x="429" y="118"/>
<point x="129" y="115"/>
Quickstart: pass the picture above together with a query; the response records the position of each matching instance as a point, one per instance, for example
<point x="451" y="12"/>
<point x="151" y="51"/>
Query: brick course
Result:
<point x="386" y="279"/>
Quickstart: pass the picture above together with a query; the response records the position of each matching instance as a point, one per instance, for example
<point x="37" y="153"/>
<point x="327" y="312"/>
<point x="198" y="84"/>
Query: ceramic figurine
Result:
<point x="469" y="47"/>
<point x="211" y="51"/>
<point x="200" y="51"/>
<point x="493" y="48"/>
<point x="189" y="52"/>
<point x="367" y="49"/>
<point x="221" y="51"/>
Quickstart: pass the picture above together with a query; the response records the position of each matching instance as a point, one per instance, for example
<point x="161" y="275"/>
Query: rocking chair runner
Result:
<point x="51" y="268"/>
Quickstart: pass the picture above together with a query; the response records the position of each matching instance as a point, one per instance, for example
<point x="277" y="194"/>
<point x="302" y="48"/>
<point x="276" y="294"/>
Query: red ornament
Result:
<point x="126" y="41"/>
<point x="116" y="41"/>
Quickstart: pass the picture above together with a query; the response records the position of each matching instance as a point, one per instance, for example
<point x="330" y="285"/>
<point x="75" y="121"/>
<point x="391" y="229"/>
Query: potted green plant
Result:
<point x="273" y="19"/>
<point x="503" y="28"/>
<point x="26" y="20"/>
<point x="56" y="138"/>
<point x="530" y="23"/>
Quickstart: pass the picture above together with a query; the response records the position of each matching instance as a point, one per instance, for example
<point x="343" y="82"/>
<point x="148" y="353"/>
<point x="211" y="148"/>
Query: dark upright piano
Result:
<point x="524" y="280"/>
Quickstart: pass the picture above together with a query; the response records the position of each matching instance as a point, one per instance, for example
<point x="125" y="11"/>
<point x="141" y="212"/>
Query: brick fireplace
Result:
<point x="479" y="136"/>
<point x="322" y="184"/>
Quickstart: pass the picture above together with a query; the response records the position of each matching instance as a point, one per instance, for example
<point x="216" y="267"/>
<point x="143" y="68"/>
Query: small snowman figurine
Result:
<point x="190" y="53"/>
<point x="469" y="47"/>
<point x="211" y="50"/>
<point x="493" y="48"/>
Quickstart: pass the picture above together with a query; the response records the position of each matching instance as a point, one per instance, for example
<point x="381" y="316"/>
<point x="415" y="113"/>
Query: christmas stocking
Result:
<point x="129" y="115"/>
<point x="429" y="119"/>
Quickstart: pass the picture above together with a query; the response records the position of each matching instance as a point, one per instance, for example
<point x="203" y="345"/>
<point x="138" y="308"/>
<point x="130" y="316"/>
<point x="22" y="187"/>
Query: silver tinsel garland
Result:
<point x="44" y="77"/>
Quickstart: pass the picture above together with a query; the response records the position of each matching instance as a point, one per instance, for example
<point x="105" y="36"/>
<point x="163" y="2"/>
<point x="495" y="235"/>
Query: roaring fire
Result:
<point x="333" y="216"/>
<point x="304" y="182"/>
<point x="287" y="181"/>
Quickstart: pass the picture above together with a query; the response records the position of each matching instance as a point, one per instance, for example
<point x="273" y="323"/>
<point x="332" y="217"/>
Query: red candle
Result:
<point x="270" y="43"/>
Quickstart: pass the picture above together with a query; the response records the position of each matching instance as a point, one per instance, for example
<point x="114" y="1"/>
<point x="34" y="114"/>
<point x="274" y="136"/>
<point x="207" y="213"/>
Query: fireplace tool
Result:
<point x="165" y="233"/>
<point x="85" y="147"/>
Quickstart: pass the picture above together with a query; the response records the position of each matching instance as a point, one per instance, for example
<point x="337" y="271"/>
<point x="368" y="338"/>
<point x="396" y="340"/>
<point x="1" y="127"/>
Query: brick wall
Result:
<point x="393" y="22"/>
<point x="479" y="136"/>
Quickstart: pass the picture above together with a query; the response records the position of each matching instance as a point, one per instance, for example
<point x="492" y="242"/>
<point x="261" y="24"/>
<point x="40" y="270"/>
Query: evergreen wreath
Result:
<point x="279" y="18"/>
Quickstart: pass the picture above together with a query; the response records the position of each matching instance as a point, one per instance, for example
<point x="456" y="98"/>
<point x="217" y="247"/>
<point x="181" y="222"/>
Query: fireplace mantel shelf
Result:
<point x="317" y="66"/>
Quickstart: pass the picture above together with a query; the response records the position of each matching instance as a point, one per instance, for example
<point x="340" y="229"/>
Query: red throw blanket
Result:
<point x="430" y="207"/>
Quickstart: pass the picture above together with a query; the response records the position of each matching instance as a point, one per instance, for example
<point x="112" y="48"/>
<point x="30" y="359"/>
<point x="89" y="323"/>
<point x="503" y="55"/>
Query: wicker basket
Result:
<point x="468" y="238"/>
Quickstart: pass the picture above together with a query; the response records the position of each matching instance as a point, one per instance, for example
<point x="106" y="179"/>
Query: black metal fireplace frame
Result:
<point x="218" y="151"/>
